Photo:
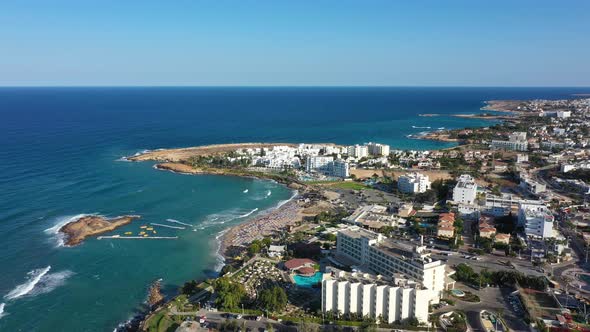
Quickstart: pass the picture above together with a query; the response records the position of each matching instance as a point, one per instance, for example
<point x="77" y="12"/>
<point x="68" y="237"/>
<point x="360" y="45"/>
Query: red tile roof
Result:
<point x="296" y="263"/>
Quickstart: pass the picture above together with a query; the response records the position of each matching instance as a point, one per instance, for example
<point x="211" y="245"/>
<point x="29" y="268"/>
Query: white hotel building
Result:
<point x="387" y="257"/>
<point x="392" y="299"/>
<point x="412" y="183"/>
<point x="465" y="191"/>
<point x="536" y="219"/>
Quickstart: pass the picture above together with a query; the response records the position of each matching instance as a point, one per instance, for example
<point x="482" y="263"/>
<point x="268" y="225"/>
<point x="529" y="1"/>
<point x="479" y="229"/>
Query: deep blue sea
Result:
<point x="60" y="151"/>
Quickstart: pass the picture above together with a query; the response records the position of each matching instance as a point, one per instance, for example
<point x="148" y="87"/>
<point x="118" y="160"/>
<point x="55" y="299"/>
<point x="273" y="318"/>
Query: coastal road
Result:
<point x="216" y="318"/>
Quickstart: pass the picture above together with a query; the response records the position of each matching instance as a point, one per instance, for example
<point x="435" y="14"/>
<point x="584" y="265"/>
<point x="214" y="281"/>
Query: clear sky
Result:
<point x="298" y="42"/>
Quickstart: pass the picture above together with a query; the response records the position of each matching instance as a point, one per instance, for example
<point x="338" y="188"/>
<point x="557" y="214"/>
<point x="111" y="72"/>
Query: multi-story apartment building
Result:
<point x="358" y="151"/>
<point x="318" y="163"/>
<point x="516" y="141"/>
<point x="340" y="168"/>
<point x="388" y="257"/>
<point x="465" y="191"/>
<point x="376" y="149"/>
<point x="413" y="183"/>
<point x="536" y="219"/>
<point x="391" y="299"/>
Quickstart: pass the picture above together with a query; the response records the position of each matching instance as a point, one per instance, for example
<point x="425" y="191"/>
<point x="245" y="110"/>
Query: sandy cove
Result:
<point x="237" y="237"/>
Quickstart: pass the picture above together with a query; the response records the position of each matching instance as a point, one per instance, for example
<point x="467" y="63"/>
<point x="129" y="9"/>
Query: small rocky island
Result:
<point x="78" y="230"/>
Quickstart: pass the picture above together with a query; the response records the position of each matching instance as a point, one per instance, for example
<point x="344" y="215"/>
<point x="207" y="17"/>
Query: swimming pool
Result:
<point x="457" y="292"/>
<point x="308" y="281"/>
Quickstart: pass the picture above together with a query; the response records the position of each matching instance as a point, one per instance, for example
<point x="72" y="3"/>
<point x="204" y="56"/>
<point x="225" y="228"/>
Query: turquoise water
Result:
<point x="458" y="292"/>
<point x="60" y="151"/>
<point x="308" y="281"/>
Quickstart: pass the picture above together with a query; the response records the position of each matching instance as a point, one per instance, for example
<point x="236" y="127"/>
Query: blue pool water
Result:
<point x="308" y="281"/>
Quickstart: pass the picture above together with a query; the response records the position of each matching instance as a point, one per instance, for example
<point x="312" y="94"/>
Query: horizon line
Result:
<point x="296" y="86"/>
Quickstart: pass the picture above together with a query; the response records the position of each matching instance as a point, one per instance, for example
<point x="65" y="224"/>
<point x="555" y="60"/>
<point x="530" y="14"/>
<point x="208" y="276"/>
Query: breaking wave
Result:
<point x="60" y="222"/>
<point x="248" y="214"/>
<point x="2" y="314"/>
<point x="39" y="281"/>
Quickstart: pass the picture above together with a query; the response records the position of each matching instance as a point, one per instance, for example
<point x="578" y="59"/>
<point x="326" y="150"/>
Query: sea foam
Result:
<point x="60" y="222"/>
<point x="27" y="287"/>
<point x="248" y="214"/>
<point x="2" y="313"/>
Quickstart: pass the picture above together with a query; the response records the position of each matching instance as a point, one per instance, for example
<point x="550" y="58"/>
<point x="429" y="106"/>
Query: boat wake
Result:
<point x="167" y="226"/>
<point x="60" y="222"/>
<point x="39" y="281"/>
<point x="268" y="193"/>
<point x="417" y="127"/>
<point x="178" y="222"/>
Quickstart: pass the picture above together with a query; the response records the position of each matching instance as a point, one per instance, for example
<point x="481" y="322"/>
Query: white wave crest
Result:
<point x="248" y="214"/>
<point x="34" y="277"/>
<point x="60" y="222"/>
<point x="418" y="127"/>
<point x="220" y="260"/>
<point x="178" y="222"/>
<point x="268" y="193"/>
<point x="2" y="313"/>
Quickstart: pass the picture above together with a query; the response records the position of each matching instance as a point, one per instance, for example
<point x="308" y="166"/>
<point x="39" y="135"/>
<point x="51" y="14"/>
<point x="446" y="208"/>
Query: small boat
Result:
<point x="141" y="233"/>
<point x="116" y="236"/>
<point x="128" y="233"/>
<point x="245" y="191"/>
<point x="145" y="235"/>
<point x="149" y="229"/>
<point x="155" y="232"/>
<point x="143" y="227"/>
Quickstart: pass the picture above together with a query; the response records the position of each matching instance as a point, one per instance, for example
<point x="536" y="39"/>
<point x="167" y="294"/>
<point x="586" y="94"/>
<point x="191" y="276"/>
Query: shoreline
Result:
<point x="234" y="239"/>
<point x="236" y="235"/>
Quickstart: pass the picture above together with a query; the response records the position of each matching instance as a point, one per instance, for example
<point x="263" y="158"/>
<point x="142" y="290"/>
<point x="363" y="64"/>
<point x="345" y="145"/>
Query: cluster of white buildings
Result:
<point x="413" y="183"/>
<point x="394" y="260"/>
<point x="391" y="298"/>
<point x="321" y="158"/>
<point x="516" y="141"/>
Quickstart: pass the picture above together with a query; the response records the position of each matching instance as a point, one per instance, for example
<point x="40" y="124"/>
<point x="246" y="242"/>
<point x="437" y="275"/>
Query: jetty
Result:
<point x="139" y="237"/>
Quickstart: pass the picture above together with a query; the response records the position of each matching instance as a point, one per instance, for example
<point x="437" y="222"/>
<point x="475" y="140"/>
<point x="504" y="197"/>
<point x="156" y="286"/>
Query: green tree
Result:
<point x="230" y="294"/>
<point x="273" y="299"/>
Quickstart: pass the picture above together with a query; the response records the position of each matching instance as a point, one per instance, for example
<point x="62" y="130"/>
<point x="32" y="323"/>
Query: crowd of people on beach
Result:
<point x="261" y="226"/>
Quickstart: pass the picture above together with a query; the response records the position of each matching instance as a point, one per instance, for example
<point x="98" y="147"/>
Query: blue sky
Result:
<point x="256" y="42"/>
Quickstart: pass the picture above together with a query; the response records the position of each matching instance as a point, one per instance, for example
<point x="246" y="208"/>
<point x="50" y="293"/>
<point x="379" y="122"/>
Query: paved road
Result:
<point x="216" y="318"/>
<point x="493" y="300"/>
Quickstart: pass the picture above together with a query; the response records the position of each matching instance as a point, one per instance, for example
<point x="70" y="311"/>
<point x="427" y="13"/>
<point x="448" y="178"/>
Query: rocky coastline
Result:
<point x="78" y="230"/>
